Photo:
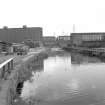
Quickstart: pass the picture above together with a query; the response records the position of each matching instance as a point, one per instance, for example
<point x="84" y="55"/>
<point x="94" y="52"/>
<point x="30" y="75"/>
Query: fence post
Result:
<point x="3" y="72"/>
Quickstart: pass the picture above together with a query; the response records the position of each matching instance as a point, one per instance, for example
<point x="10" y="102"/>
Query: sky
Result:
<point x="56" y="17"/>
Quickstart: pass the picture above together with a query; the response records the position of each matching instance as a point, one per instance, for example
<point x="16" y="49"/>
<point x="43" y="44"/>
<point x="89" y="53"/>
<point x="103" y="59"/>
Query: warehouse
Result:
<point x="88" y="39"/>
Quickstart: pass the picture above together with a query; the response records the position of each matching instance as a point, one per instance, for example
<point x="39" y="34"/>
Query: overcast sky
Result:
<point x="55" y="16"/>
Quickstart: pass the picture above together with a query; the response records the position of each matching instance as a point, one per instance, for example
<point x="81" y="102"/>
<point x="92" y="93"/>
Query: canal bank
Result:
<point x="98" y="52"/>
<point x="65" y="79"/>
<point x="8" y="89"/>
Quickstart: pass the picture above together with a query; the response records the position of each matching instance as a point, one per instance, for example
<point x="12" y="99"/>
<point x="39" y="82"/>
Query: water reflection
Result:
<point x="74" y="86"/>
<point x="68" y="79"/>
<point x="36" y="65"/>
<point x="77" y="58"/>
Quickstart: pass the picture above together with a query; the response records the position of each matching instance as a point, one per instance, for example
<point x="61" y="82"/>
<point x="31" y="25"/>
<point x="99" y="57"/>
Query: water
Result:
<point x="65" y="79"/>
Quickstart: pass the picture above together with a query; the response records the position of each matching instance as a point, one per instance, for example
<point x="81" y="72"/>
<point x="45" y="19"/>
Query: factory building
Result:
<point x="63" y="41"/>
<point x="88" y="39"/>
<point x="49" y="41"/>
<point x="18" y="35"/>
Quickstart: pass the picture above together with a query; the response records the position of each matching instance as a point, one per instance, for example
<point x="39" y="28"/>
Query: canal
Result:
<point x="65" y="79"/>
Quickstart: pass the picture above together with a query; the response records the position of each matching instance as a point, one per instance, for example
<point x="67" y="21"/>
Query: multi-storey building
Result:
<point x="17" y="35"/>
<point x="88" y="39"/>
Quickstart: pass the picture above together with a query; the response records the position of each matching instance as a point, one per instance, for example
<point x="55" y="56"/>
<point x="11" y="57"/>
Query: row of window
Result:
<point x="91" y="37"/>
<point x="64" y="38"/>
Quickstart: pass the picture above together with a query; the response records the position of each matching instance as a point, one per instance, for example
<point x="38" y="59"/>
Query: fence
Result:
<point x="5" y="68"/>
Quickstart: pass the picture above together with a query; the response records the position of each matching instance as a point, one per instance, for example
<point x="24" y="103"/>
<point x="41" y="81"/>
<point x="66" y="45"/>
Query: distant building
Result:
<point x="5" y="47"/>
<point x="20" y="48"/>
<point x="49" y="41"/>
<point x="88" y="39"/>
<point x="32" y="44"/>
<point x="17" y="35"/>
<point x="63" y="40"/>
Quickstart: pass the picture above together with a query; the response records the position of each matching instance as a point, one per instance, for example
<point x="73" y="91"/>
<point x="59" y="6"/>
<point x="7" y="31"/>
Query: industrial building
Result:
<point x="63" y="41"/>
<point x="49" y="41"/>
<point x="20" y="48"/>
<point x="17" y="35"/>
<point x="88" y="39"/>
<point x="5" y="47"/>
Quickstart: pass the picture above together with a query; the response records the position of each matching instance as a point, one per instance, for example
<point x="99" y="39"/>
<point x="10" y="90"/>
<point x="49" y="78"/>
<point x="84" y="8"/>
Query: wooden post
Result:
<point x="9" y="67"/>
<point x="12" y="64"/>
<point x="3" y="72"/>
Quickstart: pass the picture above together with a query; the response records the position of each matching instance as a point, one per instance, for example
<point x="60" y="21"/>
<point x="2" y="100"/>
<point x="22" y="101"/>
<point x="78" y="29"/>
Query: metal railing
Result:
<point x="5" y="68"/>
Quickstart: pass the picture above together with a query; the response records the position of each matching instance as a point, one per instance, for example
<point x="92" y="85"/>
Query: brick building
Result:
<point x="88" y="39"/>
<point x="17" y="35"/>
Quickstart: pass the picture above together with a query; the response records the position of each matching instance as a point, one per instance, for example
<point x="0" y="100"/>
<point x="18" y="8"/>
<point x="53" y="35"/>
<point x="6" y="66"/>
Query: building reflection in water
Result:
<point x="36" y="65"/>
<point x="79" y="59"/>
<point x="72" y="78"/>
<point x="34" y="68"/>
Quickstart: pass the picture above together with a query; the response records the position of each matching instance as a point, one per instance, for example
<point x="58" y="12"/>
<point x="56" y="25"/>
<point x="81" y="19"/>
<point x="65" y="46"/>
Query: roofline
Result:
<point x="64" y="36"/>
<point x="90" y="33"/>
<point x="49" y="37"/>
<point x="21" y="28"/>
